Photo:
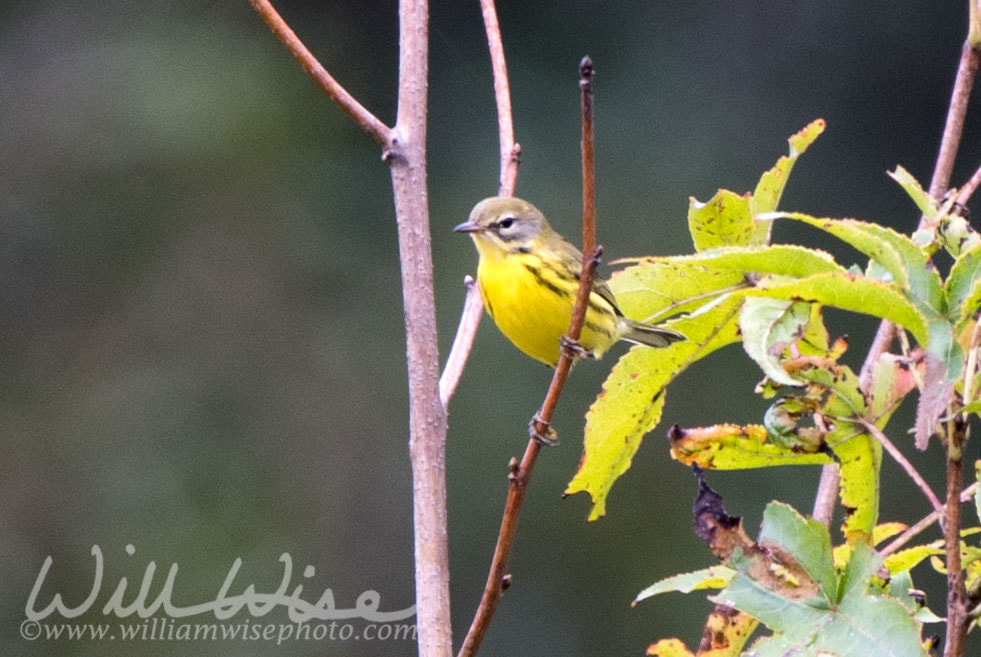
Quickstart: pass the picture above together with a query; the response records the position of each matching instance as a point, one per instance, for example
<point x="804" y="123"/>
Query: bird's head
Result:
<point x="505" y="224"/>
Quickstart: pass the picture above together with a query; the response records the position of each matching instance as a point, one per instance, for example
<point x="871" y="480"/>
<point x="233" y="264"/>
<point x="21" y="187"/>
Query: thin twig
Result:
<point x="925" y="522"/>
<point x="520" y="474"/>
<point x="509" y="150"/>
<point x="880" y="345"/>
<point x="368" y="121"/>
<point x="967" y="191"/>
<point x="586" y="73"/>
<point x="462" y="343"/>
<point x="827" y="494"/>
<point x="473" y="308"/>
<point x="907" y="467"/>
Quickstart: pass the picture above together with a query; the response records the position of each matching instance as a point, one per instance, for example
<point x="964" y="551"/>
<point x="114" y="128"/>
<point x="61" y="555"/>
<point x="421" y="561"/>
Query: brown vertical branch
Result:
<point x="405" y="151"/>
<point x="427" y="416"/>
<point x="588" y="163"/>
<point x="957" y="429"/>
<point x="957" y="617"/>
<point x="520" y="473"/>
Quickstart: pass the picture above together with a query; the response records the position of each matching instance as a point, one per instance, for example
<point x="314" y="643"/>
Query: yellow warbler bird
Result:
<point x="529" y="277"/>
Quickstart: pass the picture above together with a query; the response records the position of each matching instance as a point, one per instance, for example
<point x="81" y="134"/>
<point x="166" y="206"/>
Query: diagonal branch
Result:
<point x="971" y="186"/>
<point x="966" y="495"/>
<point x="368" y="121"/>
<point x="466" y="331"/>
<point x="967" y="69"/>
<point x="907" y="467"/>
<point x="510" y="151"/>
<point x="520" y="474"/>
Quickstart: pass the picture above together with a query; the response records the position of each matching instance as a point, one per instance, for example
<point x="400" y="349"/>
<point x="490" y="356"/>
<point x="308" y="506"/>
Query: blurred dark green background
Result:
<point x="201" y="340"/>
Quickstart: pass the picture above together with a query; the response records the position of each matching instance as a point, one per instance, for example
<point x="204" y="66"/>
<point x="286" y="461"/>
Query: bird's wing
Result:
<point x="572" y="257"/>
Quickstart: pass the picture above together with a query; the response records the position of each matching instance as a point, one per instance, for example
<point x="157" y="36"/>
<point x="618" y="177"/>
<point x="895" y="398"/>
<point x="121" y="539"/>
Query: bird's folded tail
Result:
<point x="645" y="334"/>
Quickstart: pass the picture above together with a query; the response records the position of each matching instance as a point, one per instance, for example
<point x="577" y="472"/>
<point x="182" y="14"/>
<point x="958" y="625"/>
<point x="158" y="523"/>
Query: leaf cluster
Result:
<point x="737" y="287"/>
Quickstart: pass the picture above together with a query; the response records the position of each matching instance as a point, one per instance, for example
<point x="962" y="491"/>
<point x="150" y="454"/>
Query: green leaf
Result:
<point x="724" y="220"/>
<point x="861" y="460"/>
<point x="768" y="327"/>
<point x="892" y="380"/>
<point x="908" y="264"/>
<point x="805" y="539"/>
<point x="850" y="292"/>
<point x="729" y="219"/>
<point x="963" y="287"/>
<point x="927" y="204"/>
<point x="901" y="587"/>
<point x="770" y="188"/>
<point x="714" y="577"/>
<point x="632" y="399"/>
<point x="973" y="407"/>
<point x="652" y="290"/>
<point x="938" y="387"/>
<point x="911" y="557"/>
<point x="955" y="232"/>
<point x="782" y="422"/>
<point x="731" y="447"/>
<point x="669" y="648"/>
<point x="848" y="400"/>
<point x="857" y="625"/>
<point x="782" y="259"/>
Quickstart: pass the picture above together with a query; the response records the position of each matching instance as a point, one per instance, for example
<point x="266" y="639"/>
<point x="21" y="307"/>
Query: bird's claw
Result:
<point x="573" y="349"/>
<point x="549" y="438"/>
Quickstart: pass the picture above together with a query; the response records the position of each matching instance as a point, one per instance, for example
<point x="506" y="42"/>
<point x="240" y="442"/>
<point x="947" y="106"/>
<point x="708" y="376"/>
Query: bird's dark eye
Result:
<point x="505" y="223"/>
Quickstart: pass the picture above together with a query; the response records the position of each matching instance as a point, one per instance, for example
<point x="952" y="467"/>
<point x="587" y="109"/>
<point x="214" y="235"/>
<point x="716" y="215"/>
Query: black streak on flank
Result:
<point x="534" y="271"/>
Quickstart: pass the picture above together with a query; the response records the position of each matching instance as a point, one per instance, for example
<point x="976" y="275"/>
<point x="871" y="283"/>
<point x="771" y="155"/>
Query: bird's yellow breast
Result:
<point x="531" y="302"/>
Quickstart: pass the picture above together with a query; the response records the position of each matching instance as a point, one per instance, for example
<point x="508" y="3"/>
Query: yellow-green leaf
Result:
<point x="963" y="287"/>
<point x="632" y="399"/>
<point x="770" y="188"/>
<point x="723" y="220"/>
<point x="861" y="458"/>
<point x="926" y="203"/>
<point x="713" y="577"/>
<point x="910" y="557"/>
<point x="850" y="292"/>
<point x="652" y="290"/>
<point x="669" y="648"/>
<point x="906" y="262"/>
<point x="733" y="447"/>
<point x="782" y="259"/>
<point x="768" y="327"/>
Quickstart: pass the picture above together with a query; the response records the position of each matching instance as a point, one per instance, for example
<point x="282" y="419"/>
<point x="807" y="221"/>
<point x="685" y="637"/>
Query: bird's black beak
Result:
<point x="467" y="227"/>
